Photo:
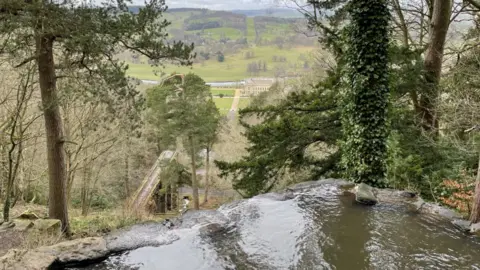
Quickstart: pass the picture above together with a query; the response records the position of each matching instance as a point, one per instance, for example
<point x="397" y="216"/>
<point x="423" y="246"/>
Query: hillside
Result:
<point x="232" y="45"/>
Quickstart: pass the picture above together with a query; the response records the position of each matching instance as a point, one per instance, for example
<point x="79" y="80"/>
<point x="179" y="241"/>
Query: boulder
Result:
<point x="22" y="225"/>
<point x="418" y="204"/>
<point x="26" y="260"/>
<point x="28" y="215"/>
<point x="47" y="225"/>
<point x="364" y="194"/>
<point x="83" y="249"/>
<point x="475" y="229"/>
<point x="462" y="224"/>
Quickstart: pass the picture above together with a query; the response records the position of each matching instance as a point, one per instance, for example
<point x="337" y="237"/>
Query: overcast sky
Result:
<point x="218" y="4"/>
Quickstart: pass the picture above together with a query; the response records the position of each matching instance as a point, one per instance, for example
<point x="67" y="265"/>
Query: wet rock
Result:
<point x="26" y="260"/>
<point x="462" y="224"/>
<point x="475" y="229"/>
<point x="22" y="225"/>
<point x="28" y="215"/>
<point x="364" y="194"/>
<point x="314" y="184"/>
<point x="47" y="225"/>
<point x="278" y="196"/>
<point x="433" y="208"/>
<point x="407" y="194"/>
<point x="211" y="229"/>
<point x="141" y="235"/>
<point x="417" y="204"/>
<point x="78" y="250"/>
<point x="65" y="252"/>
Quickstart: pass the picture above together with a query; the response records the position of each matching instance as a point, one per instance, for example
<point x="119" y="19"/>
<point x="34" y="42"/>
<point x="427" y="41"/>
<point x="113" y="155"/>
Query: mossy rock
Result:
<point x="28" y="215"/>
<point x="22" y="225"/>
<point x="47" y="225"/>
<point x="364" y="194"/>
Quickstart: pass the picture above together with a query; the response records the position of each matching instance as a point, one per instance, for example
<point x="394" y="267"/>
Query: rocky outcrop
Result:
<point x="78" y="250"/>
<point x="22" y="225"/>
<point x="28" y="215"/>
<point x="26" y="260"/>
<point x="364" y="194"/>
<point x="47" y="225"/>
<point x="475" y="229"/>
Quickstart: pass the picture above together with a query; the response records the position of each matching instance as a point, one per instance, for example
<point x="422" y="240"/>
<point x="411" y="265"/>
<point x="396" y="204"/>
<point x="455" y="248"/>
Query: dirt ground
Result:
<point x="10" y="239"/>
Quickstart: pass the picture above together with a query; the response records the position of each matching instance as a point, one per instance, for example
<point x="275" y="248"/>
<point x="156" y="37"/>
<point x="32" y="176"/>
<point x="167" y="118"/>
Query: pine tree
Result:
<point x="185" y="110"/>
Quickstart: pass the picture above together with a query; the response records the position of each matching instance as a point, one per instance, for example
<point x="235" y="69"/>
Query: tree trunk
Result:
<point x="196" y="201"/>
<point x="8" y="191"/>
<point x="207" y="174"/>
<point x="57" y="205"/>
<point x="174" y="196"/>
<point x="168" y="193"/>
<point x="475" y="214"/>
<point x="160" y="200"/>
<point x="433" y="64"/>
<point x="127" y="178"/>
<point x="87" y="178"/>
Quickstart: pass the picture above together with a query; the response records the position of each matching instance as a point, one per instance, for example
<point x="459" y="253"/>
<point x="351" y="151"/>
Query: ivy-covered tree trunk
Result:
<point x="366" y="100"/>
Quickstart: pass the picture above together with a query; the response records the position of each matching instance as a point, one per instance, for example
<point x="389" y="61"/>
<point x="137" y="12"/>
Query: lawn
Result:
<point x="225" y="92"/>
<point x="243" y="103"/>
<point x="235" y="66"/>
<point x="223" y="104"/>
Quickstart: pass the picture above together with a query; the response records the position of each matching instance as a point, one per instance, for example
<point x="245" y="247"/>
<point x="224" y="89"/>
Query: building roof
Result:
<point x="260" y="81"/>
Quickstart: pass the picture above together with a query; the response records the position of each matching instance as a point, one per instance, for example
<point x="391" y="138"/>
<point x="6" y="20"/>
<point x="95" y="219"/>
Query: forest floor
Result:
<point x="96" y="223"/>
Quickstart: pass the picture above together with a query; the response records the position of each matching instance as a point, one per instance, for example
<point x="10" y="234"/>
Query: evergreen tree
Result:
<point x="278" y="145"/>
<point x="183" y="108"/>
<point x="75" y="39"/>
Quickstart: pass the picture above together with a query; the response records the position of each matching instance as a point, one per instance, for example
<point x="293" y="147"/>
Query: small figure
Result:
<point x="186" y="201"/>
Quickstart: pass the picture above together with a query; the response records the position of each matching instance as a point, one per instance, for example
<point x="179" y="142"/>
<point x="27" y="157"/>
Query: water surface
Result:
<point x="317" y="228"/>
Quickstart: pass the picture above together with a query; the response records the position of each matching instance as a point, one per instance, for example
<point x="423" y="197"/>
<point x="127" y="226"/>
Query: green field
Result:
<point x="235" y="66"/>
<point x="216" y="33"/>
<point x="223" y="104"/>
<point x="250" y="29"/>
<point x="243" y="103"/>
<point x="225" y="92"/>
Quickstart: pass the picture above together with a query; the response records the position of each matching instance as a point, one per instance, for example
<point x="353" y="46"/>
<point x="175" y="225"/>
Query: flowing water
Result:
<point x="311" y="228"/>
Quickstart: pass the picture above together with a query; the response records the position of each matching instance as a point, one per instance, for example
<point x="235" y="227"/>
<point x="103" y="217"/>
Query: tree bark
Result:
<point x="174" y="196"/>
<point x="207" y="174"/>
<point x="168" y="193"/>
<point x="87" y="176"/>
<point x="196" y="201"/>
<point x="475" y="214"/>
<point x="127" y="177"/>
<point x="57" y="206"/>
<point x="160" y="200"/>
<point x="433" y="64"/>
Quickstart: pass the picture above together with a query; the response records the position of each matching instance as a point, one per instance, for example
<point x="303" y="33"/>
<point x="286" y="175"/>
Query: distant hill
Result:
<point x="274" y="12"/>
